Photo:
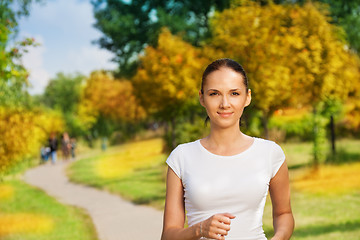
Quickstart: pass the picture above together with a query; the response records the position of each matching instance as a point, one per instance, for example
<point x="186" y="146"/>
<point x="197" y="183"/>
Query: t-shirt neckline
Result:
<point x="228" y="157"/>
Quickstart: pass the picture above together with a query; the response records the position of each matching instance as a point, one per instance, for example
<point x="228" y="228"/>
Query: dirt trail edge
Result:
<point x="113" y="217"/>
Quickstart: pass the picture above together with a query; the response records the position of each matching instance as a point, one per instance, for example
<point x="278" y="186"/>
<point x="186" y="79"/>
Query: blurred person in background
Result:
<point x="44" y="153"/>
<point x="53" y="145"/>
<point x="73" y="147"/>
<point x="221" y="181"/>
<point x="65" y="146"/>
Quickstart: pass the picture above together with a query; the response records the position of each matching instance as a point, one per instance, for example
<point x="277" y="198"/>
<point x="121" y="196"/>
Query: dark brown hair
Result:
<point x="226" y="63"/>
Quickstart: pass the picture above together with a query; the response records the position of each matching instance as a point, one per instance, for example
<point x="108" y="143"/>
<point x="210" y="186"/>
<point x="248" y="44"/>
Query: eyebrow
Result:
<point x="231" y="90"/>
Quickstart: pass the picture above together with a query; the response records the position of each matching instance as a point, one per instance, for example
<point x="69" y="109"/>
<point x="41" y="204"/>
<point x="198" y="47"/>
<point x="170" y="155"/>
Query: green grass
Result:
<point x="67" y="222"/>
<point x="143" y="185"/>
<point x="297" y="154"/>
<point x="318" y="216"/>
<point x="321" y="217"/>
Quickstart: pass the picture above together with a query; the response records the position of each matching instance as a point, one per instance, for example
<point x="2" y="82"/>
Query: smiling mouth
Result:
<point x="225" y="114"/>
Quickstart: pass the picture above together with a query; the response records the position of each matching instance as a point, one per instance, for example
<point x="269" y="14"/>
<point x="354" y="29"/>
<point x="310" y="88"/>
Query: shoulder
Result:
<point x="178" y="156"/>
<point x="266" y="143"/>
<point x="185" y="147"/>
<point x="272" y="148"/>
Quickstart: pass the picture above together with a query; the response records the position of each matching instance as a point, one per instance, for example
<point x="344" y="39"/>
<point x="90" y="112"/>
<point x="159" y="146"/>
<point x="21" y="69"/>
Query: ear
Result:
<point x="248" y="98"/>
<point x="201" y="98"/>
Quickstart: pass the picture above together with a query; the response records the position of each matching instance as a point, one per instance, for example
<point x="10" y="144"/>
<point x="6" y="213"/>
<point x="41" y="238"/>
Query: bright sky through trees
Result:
<point x="64" y="30"/>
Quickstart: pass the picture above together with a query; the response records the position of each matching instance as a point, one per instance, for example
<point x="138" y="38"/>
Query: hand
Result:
<point x="217" y="226"/>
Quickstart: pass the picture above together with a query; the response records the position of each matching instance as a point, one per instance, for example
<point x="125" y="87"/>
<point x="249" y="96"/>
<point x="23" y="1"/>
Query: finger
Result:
<point x="224" y="219"/>
<point x="216" y="236"/>
<point x="225" y="226"/>
<point x="222" y="232"/>
<point x="222" y="225"/>
<point x="217" y="231"/>
<point x="229" y="215"/>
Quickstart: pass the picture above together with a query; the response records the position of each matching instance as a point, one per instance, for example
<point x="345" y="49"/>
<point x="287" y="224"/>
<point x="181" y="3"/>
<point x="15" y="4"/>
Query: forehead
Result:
<point x="224" y="78"/>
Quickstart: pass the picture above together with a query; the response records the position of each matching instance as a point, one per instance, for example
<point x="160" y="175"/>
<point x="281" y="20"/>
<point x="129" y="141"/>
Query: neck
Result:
<point x="225" y="137"/>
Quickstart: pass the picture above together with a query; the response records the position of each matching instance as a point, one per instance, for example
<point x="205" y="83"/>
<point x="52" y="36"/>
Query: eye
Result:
<point x="235" y="94"/>
<point x="213" y="94"/>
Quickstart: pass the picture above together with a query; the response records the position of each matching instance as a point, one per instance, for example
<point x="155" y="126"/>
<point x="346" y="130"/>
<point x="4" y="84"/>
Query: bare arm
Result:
<point x="215" y="227"/>
<point x="283" y="219"/>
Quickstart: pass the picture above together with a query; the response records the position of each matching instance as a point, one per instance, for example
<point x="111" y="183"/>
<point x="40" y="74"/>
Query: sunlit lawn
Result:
<point x="27" y="213"/>
<point x="325" y="203"/>
<point x="136" y="171"/>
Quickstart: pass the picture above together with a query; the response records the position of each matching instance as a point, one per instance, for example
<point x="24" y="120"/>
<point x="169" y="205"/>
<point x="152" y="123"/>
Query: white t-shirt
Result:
<point x="235" y="184"/>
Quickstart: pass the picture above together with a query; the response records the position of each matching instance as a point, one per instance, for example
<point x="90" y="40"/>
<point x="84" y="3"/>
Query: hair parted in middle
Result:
<point x="224" y="63"/>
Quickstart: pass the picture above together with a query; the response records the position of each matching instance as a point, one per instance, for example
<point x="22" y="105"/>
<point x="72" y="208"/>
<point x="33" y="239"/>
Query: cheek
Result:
<point x="211" y="103"/>
<point x="240" y="102"/>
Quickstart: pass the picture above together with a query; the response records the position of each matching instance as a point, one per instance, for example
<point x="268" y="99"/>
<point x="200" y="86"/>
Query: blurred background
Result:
<point x="116" y="84"/>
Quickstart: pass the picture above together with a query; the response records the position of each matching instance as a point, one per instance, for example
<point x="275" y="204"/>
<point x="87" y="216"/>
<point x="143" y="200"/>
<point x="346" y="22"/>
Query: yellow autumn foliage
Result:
<point x="324" y="66"/>
<point x="352" y="108"/>
<point x="24" y="223"/>
<point x="169" y="75"/>
<point x="292" y="54"/>
<point x="110" y="97"/>
<point x="352" y="114"/>
<point x="256" y="37"/>
<point x="23" y="132"/>
<point x="133" y="156"/>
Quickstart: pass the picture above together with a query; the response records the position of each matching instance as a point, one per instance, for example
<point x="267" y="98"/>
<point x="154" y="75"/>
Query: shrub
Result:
<point x="293" y="124"/>
<point x="22" y="133"/>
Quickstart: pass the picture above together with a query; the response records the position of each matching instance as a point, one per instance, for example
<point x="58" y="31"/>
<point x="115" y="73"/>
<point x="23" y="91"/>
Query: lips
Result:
<point x="225" y="114"/>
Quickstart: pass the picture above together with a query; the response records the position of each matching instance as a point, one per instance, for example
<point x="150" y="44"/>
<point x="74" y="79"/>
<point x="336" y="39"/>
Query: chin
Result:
<point x="224" y="125"/>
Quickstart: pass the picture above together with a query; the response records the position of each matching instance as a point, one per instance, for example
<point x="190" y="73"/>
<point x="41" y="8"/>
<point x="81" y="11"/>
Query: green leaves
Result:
<point x="63" y="92"/>
<point x="13" y="75"/>
<point x="130" y="26"/>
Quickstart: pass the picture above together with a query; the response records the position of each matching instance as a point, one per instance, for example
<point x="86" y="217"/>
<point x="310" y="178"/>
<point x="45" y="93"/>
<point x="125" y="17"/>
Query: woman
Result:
<point x="222" y="180"/>
<point x="65" y="146"/>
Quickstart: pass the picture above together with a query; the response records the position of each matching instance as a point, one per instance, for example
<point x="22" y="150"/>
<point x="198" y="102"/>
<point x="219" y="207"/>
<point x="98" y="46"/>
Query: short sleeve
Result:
<point x="174" y="161"/>
<point x="277" y="159"/>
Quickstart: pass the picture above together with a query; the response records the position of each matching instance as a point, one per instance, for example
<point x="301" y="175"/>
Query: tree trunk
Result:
<point x="166" y="132"/>
<point x="319" y="138"/>
<point x="104" y="143"/>
<point x="173" y="135"/>
<point x="332" y="130"/>
<point x="265" y="121"/>
<point x="316" y="143"/>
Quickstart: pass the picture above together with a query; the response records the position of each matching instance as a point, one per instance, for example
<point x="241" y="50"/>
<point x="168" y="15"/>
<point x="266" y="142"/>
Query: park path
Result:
<point x="113" y="217"/>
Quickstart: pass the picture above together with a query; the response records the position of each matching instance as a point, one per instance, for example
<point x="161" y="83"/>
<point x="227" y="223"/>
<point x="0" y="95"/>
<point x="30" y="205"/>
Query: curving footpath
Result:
<point x="113" y="217"/>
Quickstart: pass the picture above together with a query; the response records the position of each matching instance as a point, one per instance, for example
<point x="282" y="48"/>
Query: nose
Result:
<point x="225" y="102"/>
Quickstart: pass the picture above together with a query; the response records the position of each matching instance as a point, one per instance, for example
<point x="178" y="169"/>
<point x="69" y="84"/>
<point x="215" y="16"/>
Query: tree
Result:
<point x="343" y="13"/>
<point x="169" y="77"/>
<point x="331" y="70"/>
<point x="107" y="102"/>
<point x="129" y="26"/>
<point x="63" y="92"/>
<point x="114" y="98"/>
<point x="351" y="120"/>
<point x="23" y="127"/>
<point x="347" y="15"/>
<point x="23" y="132"/>
<point x="290" y="60"/>
<point x="257" y="37"/>
<point x="13" y="75"/>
